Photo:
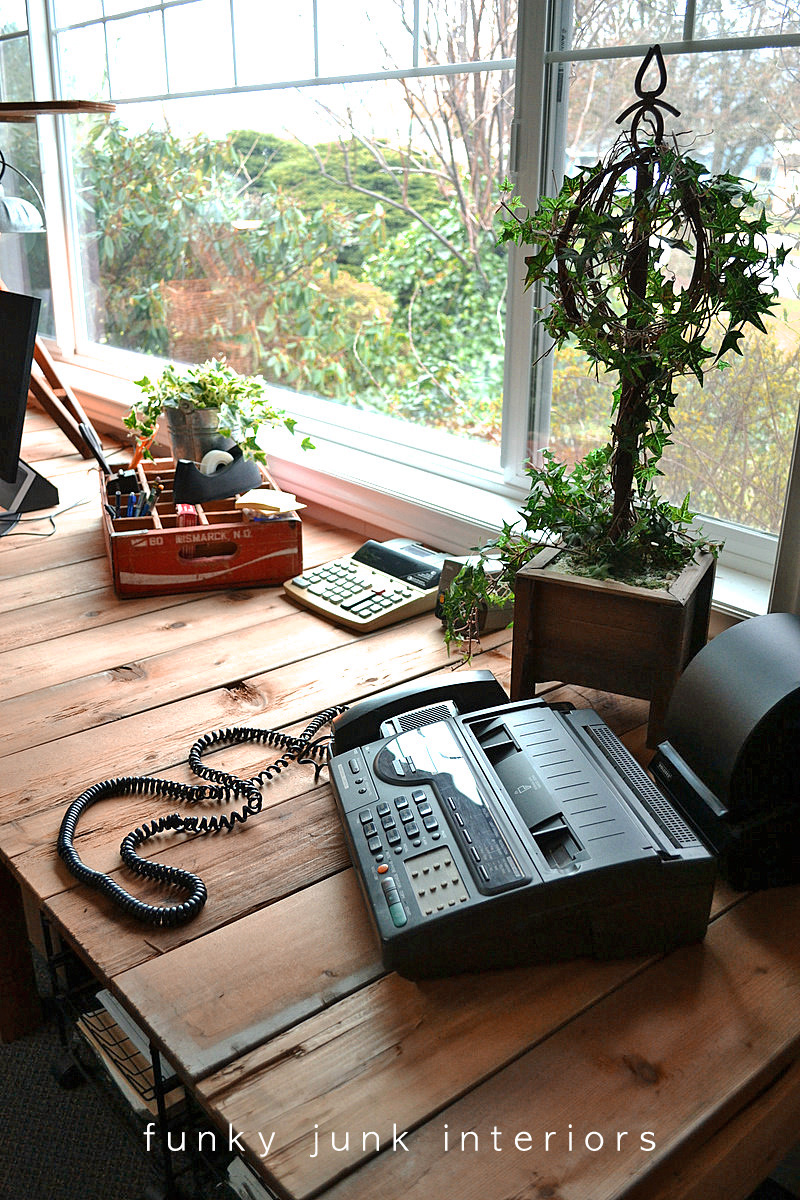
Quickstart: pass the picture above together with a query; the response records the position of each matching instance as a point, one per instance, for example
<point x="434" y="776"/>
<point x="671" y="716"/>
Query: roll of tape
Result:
<point x="213" y="460"/>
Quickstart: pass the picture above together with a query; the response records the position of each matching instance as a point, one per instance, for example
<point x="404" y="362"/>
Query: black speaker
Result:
<point x="730" y="758"/>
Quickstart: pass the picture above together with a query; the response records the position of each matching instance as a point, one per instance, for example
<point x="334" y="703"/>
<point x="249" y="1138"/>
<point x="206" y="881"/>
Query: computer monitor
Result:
<point x="22" y="489"/>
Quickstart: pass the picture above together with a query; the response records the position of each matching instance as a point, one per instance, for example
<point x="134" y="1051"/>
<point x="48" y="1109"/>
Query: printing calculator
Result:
<point x="381" y="583"/>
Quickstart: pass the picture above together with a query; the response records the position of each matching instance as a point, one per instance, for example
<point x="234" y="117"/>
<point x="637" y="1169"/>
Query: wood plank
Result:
<point x="62" y="582"/>
<point x="28" y="110"/>
<point x="46" y="444"/>
<point x="127" y="689"/>
<point x="732" y="1163"/>
<point x="262" y="862"/>
<point x="35" y="555"/>
<point x="30" y="843"/>
<point x="425" y="1017"/>
<point x="652" y="1058"/>
<point x="64" y="767"/>
<point x="35" y="419"/>
<point x="313" y="947"/>
<point x="197" y="627"/>
<point x="41" y="624"/>
<point x="72" y="542"/>
<point x="248" y="656"/>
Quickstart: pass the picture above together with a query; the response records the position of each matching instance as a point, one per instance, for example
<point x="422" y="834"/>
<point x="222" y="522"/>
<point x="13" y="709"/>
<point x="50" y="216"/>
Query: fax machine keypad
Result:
<point x="435" y="881"/>
<point x="396" y="826"/>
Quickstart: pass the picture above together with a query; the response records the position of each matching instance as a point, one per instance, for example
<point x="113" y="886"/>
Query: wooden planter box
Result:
<point x="601" y="634"/>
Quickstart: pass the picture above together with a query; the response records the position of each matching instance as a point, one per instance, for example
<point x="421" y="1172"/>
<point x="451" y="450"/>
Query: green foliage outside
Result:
<point x="189" y="267"/>
<point x="449" y="328"/>
<point x="315" y="294"/>
<point x="732" y="438"/>
<point x="293" y="167"/>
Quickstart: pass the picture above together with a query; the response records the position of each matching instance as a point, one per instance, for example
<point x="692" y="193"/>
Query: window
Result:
<point x="310" y="189"/>
<point x="310" y="192"/>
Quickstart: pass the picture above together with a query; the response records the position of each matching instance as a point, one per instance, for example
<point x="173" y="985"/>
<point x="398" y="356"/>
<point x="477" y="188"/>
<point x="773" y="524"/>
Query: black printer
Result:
<point x="730" y="758"/>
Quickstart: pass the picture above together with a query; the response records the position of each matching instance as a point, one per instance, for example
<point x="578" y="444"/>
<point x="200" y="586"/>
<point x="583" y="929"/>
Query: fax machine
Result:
<point x="488" y="834"/>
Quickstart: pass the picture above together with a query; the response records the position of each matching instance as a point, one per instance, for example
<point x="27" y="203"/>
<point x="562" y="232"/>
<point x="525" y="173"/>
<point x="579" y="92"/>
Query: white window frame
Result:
<point x="421" y="495"/>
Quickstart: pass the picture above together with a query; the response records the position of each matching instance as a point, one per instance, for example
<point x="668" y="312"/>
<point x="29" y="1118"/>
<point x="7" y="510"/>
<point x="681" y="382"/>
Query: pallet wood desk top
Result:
<point x="645" y="1079"/>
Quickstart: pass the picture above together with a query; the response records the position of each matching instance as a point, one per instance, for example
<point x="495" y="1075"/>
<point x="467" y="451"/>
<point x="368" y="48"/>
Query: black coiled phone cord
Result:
<point x="307" y="748"/>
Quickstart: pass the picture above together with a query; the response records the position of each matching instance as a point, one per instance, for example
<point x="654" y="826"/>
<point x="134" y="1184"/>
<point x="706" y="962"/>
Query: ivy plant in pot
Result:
<point x="654" y="268"/>
<point x="209" y="406"/>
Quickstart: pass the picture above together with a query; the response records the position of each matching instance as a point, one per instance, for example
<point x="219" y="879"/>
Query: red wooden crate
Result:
<point x="151" y="555"/>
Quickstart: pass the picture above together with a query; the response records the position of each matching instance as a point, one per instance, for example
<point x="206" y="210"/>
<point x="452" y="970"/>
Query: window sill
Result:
<point x="737" y="594"/>
<point x="375" y="497"/>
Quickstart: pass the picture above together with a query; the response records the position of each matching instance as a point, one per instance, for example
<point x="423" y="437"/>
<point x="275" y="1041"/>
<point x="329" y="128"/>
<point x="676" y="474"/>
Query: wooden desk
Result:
<point x="272" y="1006"/>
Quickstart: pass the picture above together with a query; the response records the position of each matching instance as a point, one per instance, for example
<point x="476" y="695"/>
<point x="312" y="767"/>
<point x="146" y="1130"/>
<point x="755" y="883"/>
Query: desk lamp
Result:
<point x="18" y="215"/>
<point x="21" y="487"/>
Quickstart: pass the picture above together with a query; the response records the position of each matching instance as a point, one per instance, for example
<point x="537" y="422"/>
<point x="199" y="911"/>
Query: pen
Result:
<point x="153" y="498"/>
<point x="131" y="504"/>
<point x="118" y="503"/>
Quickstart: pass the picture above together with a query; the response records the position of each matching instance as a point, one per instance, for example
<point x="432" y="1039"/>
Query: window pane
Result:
<point x="199" y="47"/>
<point x="355" y="37"/>
<point x="338" y="240"/>
<point x="732" y="441"/>
<point x="82" y="61"/>
<point x="716" y="18"/>
<point x="15" y="71"/>
<point x="273" y="42"/>
<point x="113" y="7"/>
<point x="14" y="17"/>
<point x="627" y="22"/>
<point x="136" y="56"/>
<point x="446" y="30"/>
<point x="71" y="12"/>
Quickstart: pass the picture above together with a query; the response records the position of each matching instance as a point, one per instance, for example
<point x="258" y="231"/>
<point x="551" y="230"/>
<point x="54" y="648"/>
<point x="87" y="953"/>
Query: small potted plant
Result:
<point x="605" y="249"/>
<point x="209" y="406"/>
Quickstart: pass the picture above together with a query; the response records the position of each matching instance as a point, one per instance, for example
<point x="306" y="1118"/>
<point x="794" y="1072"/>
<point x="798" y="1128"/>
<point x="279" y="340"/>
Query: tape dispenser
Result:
<point x="221" y="474"/>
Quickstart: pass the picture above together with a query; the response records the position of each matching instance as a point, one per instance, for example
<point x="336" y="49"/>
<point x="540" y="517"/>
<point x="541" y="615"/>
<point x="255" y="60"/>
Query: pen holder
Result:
<point x="156" y="552"/>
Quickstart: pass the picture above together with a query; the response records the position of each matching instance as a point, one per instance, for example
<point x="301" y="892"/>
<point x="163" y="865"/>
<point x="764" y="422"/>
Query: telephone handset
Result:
<point x="361" y="723"/>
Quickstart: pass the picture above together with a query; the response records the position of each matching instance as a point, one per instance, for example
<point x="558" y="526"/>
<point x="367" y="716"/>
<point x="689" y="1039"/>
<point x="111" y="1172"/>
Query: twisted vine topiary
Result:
<point x="654" y="268"/>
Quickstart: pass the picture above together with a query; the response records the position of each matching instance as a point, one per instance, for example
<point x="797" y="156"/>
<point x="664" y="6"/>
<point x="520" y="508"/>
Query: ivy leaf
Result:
<point x="731" y="342"/>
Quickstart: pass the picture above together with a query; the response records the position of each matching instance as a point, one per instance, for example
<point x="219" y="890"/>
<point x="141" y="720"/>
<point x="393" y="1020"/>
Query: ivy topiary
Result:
<point x="654" y="268"/>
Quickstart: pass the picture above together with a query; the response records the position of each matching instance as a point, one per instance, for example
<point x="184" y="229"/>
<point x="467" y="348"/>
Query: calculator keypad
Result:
<point x="359" y="595"/>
